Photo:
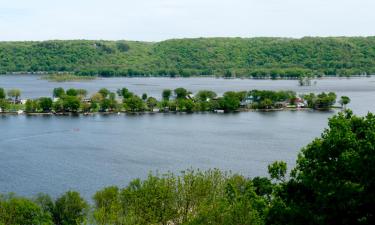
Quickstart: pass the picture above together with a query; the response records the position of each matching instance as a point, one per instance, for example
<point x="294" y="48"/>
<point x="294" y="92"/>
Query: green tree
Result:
<point x="344" y="100"/>
<point x="230" y="101"/>
<point x="14" y="93"/>
<point x="45" y="104"/>
<point x="2" y="93"/>
<point x="70" y="208"/>
<point x="134" y="104"/>
<point x="277" y="170"/>
<point x="180" y="93"/>
<point x="46" y="203"/>
<point x="4" y="105"/>
<point x="31" y="106"/>
<point x="72" y="92"/>
<point x="144" y="96"/>
<point x="58" y="106"/>
<point x="205" y="95"/>
<point x="125" y="93"/>
<point x="71" y="103"/>
<point x="81" y="93"/>
<point x="333" y="180"/>
<point x="166" y="94"/>
<point x="58" y="92"/>
<point x="21" y="211"/>
<point x="153" y="200"/>
<point x="151" y="103"/>
<point x="104" y="92"/>
<point x="108" y="209"/>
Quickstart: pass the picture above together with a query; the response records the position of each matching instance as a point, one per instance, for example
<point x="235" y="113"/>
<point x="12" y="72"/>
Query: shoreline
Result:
<point x="168" y="112"/>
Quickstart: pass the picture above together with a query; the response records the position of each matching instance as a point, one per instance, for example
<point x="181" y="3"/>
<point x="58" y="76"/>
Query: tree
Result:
<point x="58" y="92"/>
<point x="107" y="104"/>
<point x="108" y="209"/>
<point x="97" y="97"/>
<point x="265" y="104"/>
<point x="230" y="101"/>
<point x="81" y="93"/>
<point x="70" y="208"/>
<point x="104" y="92"/>
<point x="205" y="95"/>
<point x="151" y="103"/>
<point x="71" y="104"/>
<point x="71" y="92"/>
<point x="134" y="104"/>
<point x="14" y="93"/>
<point x="144" y="96"/>
<point x="20" y="211"/>
<point x="125" y="93"/>
<point x="277" y="170"/>
<point x="152" y="200"/>
<point x="2" y="93"/>
<point x="122" y="46"/>
<point x="58" y="106"/>
<point x="344" y="101"/>
<point x="45" y="104"/>
<point x="46" y="203"/>
<point x="180" y="93"/>
<point x="333" y="181"/>
<point x="325" y="101"/>
<point x="31" y="106"/>
<point x="166" y="94"/>
<point x="4" y="105"/>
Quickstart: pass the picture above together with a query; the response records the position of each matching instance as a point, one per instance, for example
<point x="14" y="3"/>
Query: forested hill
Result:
<point x="256" y="57"/>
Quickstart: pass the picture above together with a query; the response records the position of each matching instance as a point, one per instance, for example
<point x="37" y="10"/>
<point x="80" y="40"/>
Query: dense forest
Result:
<point x="332" y="183"/>
<point x="228" y="57"/>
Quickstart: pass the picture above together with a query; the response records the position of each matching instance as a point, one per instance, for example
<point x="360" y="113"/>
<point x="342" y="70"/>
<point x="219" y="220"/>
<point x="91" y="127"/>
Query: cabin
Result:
<point x="247" y="101"/>
<point x="283" y="104"/>
<point x="300" y="103"/>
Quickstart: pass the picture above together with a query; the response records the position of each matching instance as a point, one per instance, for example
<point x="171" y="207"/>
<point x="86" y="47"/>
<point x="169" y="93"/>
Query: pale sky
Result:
<point x="155" y="20"/>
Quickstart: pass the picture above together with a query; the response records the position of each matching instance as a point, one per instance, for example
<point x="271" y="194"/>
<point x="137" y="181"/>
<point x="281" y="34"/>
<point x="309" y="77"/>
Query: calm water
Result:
<point x="54" y="154"/>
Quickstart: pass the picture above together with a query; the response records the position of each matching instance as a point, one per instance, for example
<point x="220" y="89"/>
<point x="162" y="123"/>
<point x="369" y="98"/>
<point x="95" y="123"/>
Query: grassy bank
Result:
<point x="66" y="78"/>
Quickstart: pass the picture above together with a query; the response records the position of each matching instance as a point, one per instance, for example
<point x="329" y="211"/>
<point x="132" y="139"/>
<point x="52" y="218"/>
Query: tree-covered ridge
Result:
<point x="247" y="57"/>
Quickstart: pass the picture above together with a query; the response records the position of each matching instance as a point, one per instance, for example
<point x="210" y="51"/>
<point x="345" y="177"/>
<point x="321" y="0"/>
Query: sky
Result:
<point x="156" y="20"/>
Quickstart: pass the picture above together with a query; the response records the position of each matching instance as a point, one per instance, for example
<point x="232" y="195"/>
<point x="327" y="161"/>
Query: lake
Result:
<point x="54" y="154"/>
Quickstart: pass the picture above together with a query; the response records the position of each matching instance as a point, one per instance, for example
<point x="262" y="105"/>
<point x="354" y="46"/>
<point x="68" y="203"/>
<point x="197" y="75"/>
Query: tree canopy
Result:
<point x="228" y="57"/>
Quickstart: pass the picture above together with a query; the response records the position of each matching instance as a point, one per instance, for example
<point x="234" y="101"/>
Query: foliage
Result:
<point x="166" y="94"/>
<point x="58" y="92"/>
<point x="180" y="93"/>
<point x="66" y="77"/>
<point x="333" y="180"/>
<point x="20" y="211"/>
<point x="241" y="57"/>
<point x="14" y="93"/>
<point x="230" y="101"/>
<point x="344" y="100"/>
<point x="2" y="93"/>
<point x="151" y="103"/>
<point x="134" y="104"/>
<point x="70" y="209"/>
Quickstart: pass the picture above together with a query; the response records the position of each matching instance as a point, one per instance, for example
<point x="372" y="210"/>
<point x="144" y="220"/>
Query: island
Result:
<point x="74" y="101"/>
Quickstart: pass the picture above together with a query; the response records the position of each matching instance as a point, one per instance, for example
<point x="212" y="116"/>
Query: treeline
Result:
<point x="332" y="183"/>
<point x="227" y="57"/>
<point x="177" y="100"/>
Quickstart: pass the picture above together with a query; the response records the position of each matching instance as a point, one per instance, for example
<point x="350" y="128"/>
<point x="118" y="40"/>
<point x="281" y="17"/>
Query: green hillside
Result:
<point x="245" y="57"/>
